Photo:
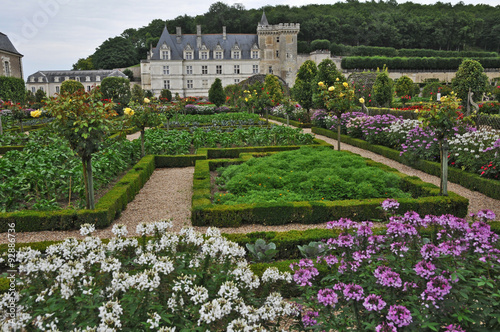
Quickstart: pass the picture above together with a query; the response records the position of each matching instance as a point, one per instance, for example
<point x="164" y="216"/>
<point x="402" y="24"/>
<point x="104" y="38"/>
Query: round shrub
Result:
<point x="71" y="86"/>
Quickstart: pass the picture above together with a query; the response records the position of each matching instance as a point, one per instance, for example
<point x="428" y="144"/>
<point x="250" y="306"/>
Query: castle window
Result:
<point x="89" y="88"/>
<point x="77" y="78"/>
<point x="218" y="69"/>
<point x="204" y="70"/>
<point x="236" y="80"/>
<point x="270" y="69"/>
<point x="255" y="54"/>
<point x="189" y="70"/>
<point x="189" y="55"/>
<point x="277" y="53"/>
<point x="189" y="84"/>
<point x="58" y="89"/>
<point x="205" y="84"/>
<point x="98" y="78"/>
<point x="204" y="55"/>
<point x="40" y="79"/>
<point x="66" y="78"/>
<point x="165" y="55"/>
<point x="56" y="79"/>
<point x="7" y="68"/>
<point x="236" y="54"/>
<point x="33" y="89"/>
<point x="255" y="69"/>
<point x="278" y="39"/>
<point x="166" y="70"/>
<point x="40" y="88"/>
<point x="32" y="79"/>
<point x="166" y="84"/>
<point x="218" y="55"/>
<point x="236" y="69"/>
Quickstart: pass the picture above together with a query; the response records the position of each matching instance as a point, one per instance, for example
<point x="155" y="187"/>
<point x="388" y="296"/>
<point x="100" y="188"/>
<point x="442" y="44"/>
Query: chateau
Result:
<point x="50" y="81"/>
<point x="189" y="64"/>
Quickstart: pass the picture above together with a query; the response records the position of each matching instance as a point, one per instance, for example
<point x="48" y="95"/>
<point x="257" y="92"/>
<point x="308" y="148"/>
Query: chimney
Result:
<point x="179" y="34"/>
<point x="224" y="32"/>
<point x="198" y="36"/>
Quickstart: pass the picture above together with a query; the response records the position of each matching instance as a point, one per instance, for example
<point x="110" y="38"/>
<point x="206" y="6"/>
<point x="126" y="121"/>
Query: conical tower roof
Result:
<point x="263" y="20"/>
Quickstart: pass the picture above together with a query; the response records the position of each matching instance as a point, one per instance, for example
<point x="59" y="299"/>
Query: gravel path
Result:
<point x="168" y="193"/>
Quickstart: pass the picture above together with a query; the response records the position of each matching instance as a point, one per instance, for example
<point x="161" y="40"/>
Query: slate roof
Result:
<point x="244" y="41"/>
<point x="263" y="20"/>
<point x="49" y="75"/>
<point x="6" y="45"/>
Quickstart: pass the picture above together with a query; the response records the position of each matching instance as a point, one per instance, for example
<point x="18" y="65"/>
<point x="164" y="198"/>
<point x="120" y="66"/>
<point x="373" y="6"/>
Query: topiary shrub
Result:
<point x="216" y="93"/>
<point x="382" y="89"/>
<point x="13" y="89"/>
<point x="71" y="86"/>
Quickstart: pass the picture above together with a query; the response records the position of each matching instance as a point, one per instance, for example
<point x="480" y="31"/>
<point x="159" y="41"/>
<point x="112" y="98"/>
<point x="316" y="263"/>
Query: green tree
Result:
<point x="273" y="88"/>
<point x="216" y="93"/>
<point x="118" y="90"/>
<point x="166" y="95"/>
<point x="40" y="95"/>
<point x="320" y="44"/>
<point x="470" y="75"/>
<point x="13" y="89"/>
<point x="142" y="115"/>
<point x="117" y="52"/>
<point x="129" y="74"/>
<point x="328" y="74"/>
<point x="85" y="121"/>
<point x="404" y="88"/>
<point x="137" y="94"/>
<point x="302" y="90"/>
<point x="84" y="64"/>
<point x="382" y="89"/>
<point x="71" y="86"/>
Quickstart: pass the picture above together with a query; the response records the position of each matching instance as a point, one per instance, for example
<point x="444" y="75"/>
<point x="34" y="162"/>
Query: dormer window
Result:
<point x="165" y="55"/>
<point x="40" y="79"/>
<point x="204" y="55"/>
<point x="236" y="54"/>
<point x="32" y="79"/>
<point x="66" y="78"/>
<point x="218" y="55"/>
<point x="188" y="55"/>
<point x="56" y="79"/>
<point x="87" y="79"/>
<point x="77" y="78"/>
<point x="255" y="54"/>
<point x="98" y="78"/>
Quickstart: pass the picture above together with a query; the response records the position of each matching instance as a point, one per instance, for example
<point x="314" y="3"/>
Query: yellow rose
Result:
<point x="246" y="99"/>
<point x="341" y="95"/>
<point x="128" y="111"/>
<point x="146" y="100"/>
<point x="331" y="88"/>
<point x="362" y="100"/>
<point x="337" y="79"/>
<point x="345" y="84"/>
<point x="321" y="83"/>
<point x="35" y="114"/>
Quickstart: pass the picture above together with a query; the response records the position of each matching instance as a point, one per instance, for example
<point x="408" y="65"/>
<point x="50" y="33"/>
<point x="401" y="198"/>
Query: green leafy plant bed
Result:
<point x="424" y="199"/>
<point x="220" y="120"/>
<point x="488" y="187"/>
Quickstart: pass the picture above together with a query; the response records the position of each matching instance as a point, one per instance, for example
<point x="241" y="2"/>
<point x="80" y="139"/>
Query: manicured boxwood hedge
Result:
<point x="204" y="213"/>
<point x="4" y="149"/>
<point x="291" y="122"/>
<point x="488" y="187"/>
<point x="412" y="63"/>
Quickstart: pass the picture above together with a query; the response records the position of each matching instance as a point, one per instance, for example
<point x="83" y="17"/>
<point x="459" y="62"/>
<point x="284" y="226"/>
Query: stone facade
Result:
<point x="10" y="59"/>
<point x="189" y="64"/>
<point x="50" y="81"/>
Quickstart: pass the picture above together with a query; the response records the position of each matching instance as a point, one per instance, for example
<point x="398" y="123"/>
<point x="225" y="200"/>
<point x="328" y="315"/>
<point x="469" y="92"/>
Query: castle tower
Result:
<point x="278" y="44"/>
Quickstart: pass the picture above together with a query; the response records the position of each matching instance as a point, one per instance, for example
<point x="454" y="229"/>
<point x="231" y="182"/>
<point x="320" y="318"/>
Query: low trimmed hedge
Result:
<point x="6" y="148"/>
<point x="291" y="122"/>
<point x="204" y="213"/>
<point x="488" y="187"/>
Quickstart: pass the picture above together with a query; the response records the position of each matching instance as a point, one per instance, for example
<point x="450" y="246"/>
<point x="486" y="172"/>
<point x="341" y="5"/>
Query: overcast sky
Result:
<point x="54" y="34"/>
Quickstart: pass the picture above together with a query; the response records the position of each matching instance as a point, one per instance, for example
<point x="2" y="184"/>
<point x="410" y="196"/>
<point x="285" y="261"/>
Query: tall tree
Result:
<point x="117" y="52"/>
<point x="216" y="93"/>
<point x="302" y="90"/>
<point x="470" y="75"/>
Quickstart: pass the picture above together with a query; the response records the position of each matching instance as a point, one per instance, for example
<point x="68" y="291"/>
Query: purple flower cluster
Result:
<point x="309" y="318"/>
<point x="390" y="205"/>
<point x="421" y="143"/>
<point x="454" y="328"/>
<point x="386" y="327"/>
<point x="386" y="277"/>
<point x="437" y="288"/>
<point x="425" y="269"/>
<point x="396" y="228"/>
<point x="399" y="315"/>
<point x="485" y="215"/>
<point x="374" y="303"/>
<point x="327" y="297"/>
<point x="353" y="292"/>
<point x="304" y="272"/>
<point x="374" y="128"/>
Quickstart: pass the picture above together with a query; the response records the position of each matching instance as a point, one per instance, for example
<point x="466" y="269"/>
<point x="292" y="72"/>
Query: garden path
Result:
<point x="168" y="195"/>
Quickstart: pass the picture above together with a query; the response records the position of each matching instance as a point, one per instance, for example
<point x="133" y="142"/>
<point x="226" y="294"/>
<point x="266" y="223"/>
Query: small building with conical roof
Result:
<point x="188" y="64"/>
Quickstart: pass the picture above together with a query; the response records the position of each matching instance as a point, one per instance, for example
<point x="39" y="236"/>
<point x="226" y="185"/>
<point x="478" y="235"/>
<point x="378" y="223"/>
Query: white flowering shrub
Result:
<point x="473" y="149"/>
<point x="172" y="282"/>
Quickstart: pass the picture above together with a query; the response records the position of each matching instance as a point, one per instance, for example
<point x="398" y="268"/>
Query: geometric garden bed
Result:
<point x="109" y="207"/>
<point x="424" y="200"/>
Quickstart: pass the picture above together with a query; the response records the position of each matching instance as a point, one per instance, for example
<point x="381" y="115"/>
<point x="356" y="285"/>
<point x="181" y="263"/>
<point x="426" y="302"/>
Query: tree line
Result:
<point x="440" y="26"/>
